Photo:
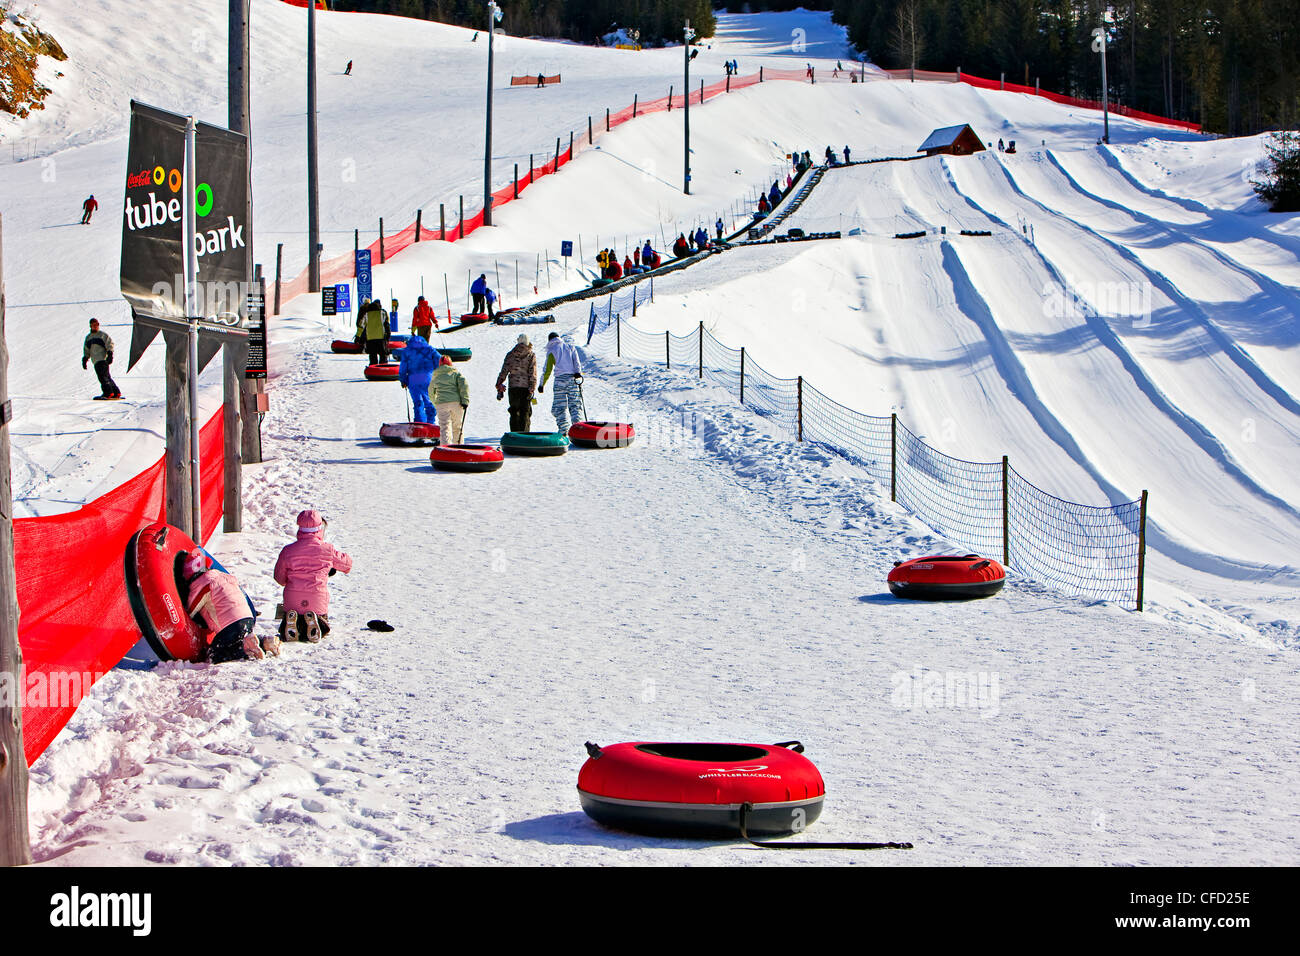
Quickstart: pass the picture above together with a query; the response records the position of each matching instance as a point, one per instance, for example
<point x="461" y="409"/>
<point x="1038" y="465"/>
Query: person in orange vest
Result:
<point x="423" y="320"/>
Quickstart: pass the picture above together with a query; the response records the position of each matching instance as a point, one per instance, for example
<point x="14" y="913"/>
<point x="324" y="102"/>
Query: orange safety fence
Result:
<point x="75" y="620"/>
<point x="532" y="80"/>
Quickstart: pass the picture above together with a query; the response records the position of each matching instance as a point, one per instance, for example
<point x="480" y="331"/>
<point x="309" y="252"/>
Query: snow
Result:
<point x="713" y="581"/>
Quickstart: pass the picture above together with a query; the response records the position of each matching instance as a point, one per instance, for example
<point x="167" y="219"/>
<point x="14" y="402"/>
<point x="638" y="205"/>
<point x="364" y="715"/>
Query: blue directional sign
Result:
<point x="343" y="298"/>
<point x="566" y="248"/>
<point x="364" y="291"/>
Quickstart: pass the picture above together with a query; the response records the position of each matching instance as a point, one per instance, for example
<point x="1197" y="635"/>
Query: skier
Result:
<point x="218" y="604"/>
<point x="303" y="569"/>
<point x="718" y="226"/>
<point x="415" y="369"/>
<point x="372" y="328"/>
<point x="479" y="291"/>
<point x="562" y="358"/>
<point x="450" y="394"/>
<point x="88" y="209"/>
<point x="98" y="348"/>
<point x="519" y="370"/>
<point x="811" y="78"/>
<point x="423" y="319"/>
<point x="347" y="71"/>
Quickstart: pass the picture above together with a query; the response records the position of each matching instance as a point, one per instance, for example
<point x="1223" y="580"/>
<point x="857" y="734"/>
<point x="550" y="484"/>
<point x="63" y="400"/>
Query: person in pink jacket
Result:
<point x="217" y="601"/>
<point x="303" y="570"/>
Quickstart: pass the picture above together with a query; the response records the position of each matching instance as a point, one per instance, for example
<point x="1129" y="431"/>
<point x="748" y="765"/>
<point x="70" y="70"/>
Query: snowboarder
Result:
<point x="414" y="371"/>
<point x="474" y="38"/>
<point x="479" y="291"/>
<point x="88" y="209"/>
<point x="218" y="604"/>
<point x="811" y="78"/>
<point x="562" y="358"/>
<point x="303" y="569"/>
<point x="423" y="319"/>
<point x="347" y="70"/>
<point x="372" y="328"/>
<point x="519" y="371"/>
<point x="541" y="81"/>
<point x="1001" y="145"/>
<point x="98" y="348"/>
<point x="450" y="394"/>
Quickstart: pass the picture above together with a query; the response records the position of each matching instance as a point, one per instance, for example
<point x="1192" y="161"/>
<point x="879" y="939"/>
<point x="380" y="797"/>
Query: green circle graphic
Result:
<point x="203" y="199"/>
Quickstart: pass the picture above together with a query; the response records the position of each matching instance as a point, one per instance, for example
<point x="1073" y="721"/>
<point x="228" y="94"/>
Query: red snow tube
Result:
<point x="349" y="347"/>
<point x="947" y="577"/>
<point x="469" y="318"/>
<point x="382" y="373"/>
<point x="696" y="789"/>
<point x="153" y="562"/>
<point x="408" y="433"/>
<point x="466" y="458"/>
<point x="602" y="434"/>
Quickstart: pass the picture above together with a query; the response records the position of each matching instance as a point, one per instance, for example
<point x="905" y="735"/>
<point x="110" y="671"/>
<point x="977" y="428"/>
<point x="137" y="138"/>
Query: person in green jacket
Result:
<point x="450" y="395"/>
<point x="372" y="328"/>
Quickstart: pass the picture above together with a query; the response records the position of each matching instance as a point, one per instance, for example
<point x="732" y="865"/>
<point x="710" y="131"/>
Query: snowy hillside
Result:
<point x="1130" y="324"/>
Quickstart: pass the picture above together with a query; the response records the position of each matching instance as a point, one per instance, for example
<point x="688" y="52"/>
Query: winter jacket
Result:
<point x="303" y="570"/>
<point x="520" y="367"/>
<point x="490" y="296"/>
<point x="373" y="322"/>
<point x="419" y="358"/>
<point x="562" y="358"/>
<point x="480" y="286"/>
<point x="615" y="270"/>
<point x="680" y="248"/>
<point x="423" y="317"/>
<point x="217" y="597"/>
<point x="98" y="347"/>
<point x="627" y="264"/>
<point x="448" y="386"/>
<point x="647" y="254"/>
<point x="774" y="194"/>
<point x="701" y="237"/>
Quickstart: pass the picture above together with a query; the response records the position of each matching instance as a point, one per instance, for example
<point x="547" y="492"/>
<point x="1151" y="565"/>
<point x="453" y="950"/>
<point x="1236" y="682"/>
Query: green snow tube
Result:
<point x="535" y="443"/>
<point x="457" y="355"/>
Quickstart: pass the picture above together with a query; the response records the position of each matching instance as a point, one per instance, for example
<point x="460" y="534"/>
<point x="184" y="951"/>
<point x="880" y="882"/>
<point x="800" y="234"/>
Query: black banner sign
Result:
<point x="256" y="309"/>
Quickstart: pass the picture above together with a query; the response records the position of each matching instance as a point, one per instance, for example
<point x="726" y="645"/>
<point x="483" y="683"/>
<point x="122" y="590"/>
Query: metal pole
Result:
<point x="442" y="221"/>
<point x="460" y="229"/>
<point x="15" y="843"/>
<point x="689" y="35"/>
<point x="516" y="180"/>
<point x="799" y="398"/>
<point x="668" y="351"/>
<point x="1099" y="46"/>
<point x="1142" y="549"/>
<point x="191" y="312"/>
<point x="494" y="14"/>
<point x="381" y="240"/>
<point x="742" y="375"/>
<point x="313" y="180"/>
<point x="279" y="255"/>
<point x="1006" y="515"/>
<point x="893" y="456"/>
<point x="419" y="214"/>
<point x="701" y="343"/>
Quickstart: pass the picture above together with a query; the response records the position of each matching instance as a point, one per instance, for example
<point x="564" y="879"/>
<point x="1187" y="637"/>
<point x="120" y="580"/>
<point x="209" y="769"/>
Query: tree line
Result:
<point x="1231" y="65"/>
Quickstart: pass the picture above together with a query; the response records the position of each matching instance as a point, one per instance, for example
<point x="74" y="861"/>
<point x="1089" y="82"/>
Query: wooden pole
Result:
<point x="516" y="180"/>
<point x="461" y="228"/>
<point x="279" y="255"/>
<point x="670" y="99"/>
<point x="634" y="100"/>
<point x="419" y="214"/>
<point x="381" y="240"/>
<point x="1142" y="550"/>
<point x="606" y="119"/>
<point x="442" y="221"/>
<point x="590" y="138"/>
<point x="15" y="848"/>
<point x="530" y="169"/>
<point x="742" y="373"/>
<point x="1006" y="517"/>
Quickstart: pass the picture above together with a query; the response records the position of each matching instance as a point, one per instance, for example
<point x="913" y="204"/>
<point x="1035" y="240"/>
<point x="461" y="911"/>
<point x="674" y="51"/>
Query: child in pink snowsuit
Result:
<point x="303" y="570"/>
<point x="216" y="599"/>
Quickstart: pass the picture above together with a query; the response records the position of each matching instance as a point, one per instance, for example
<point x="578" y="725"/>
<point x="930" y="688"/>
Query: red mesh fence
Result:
<point x="75" y="620"/>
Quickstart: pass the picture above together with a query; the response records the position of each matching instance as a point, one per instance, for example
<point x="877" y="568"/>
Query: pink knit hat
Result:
<point x="446" y="360"/>
<point x="311" y="521"/>
<point x="195" y="563"/>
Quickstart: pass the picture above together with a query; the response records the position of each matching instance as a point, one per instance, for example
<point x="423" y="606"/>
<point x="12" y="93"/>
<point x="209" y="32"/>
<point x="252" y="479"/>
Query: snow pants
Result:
<point x="229" y="644"/>
<point x="566" y="404"/>
<point x="521" y="409"/>
<point x="106" y="383"/>
<point x="451" y="422"/>
<point x="418" y="386"/>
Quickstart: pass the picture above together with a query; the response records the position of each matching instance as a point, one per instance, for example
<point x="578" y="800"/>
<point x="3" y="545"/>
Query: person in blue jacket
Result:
<point x="479" y="291"/>
<point x="415" y="369"/>
<point x="701" y="238"/>
<point x="491" y="301"/>
<point x="774" y="194"/>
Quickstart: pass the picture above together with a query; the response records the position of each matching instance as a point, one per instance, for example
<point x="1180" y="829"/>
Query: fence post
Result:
<point x="516" y="180"/>
<point x="1002" y="83"/>
<point x="442" y="221"/>
<point x="670" y="99"/>
<point x="1006" y="518"/>
<point x="893" y="456"/>
<point x="419" y="215"/>
<point x="530" y="169"/>
<point x="1142" y="549"/>
<point x="590" y="139"/>
<point x="381" y="240"/>
<point x="634" y="301"/>
<point x="742" y="373"/>
<point x="279" y="254"/>
<point x="701" y="348"/>
<point x="556" y="167"/>
<point x="634" y="99"/>
<point x="606" y="119"/>
<point x="557" y="162"/>
<point x="728" y="82"/>
<point x="618" y="338"/>
<point x="800" y="406"/>
<point x="668" y="351"/>
<point x="701" y="91"/>
<point x="760" y="74"/>
<point x="460" y="229"/>
<point x="652" y="288"/>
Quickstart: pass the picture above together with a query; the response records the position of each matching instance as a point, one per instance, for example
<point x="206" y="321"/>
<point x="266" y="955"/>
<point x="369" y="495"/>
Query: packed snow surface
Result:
<point x="1131" y="323"/>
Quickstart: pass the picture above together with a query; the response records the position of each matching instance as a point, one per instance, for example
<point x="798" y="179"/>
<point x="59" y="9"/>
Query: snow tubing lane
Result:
<point x="153" y="559"/>
<point x="696" y="789"/>
<point x="457" y="355"/>
<point x="382" y="373"/>
<point x="349" y="347"/>
<point x="537" y="444"/>
<point x="408" y="433"/>
<point x="602" y="434"/>
<point x="466" y="458"/>
<point x="947" y="578"/>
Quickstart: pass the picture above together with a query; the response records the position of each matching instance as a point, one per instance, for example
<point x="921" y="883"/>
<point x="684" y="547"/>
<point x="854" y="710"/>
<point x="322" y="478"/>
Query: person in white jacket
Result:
<point x="562" y="358"/>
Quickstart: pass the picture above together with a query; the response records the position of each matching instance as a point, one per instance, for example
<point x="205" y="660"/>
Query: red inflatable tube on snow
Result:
<point x="349" y="347"/>
<point x="469" y="318"/>
<point x="947" y="577"/>
<point x="153" y="562"/>
<point x="602" y="434"/>
<point x="473" y="458"/>
<point x="408" y="433"/>
<point x="697" y="789"/>
<point x="382" y="373"/>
